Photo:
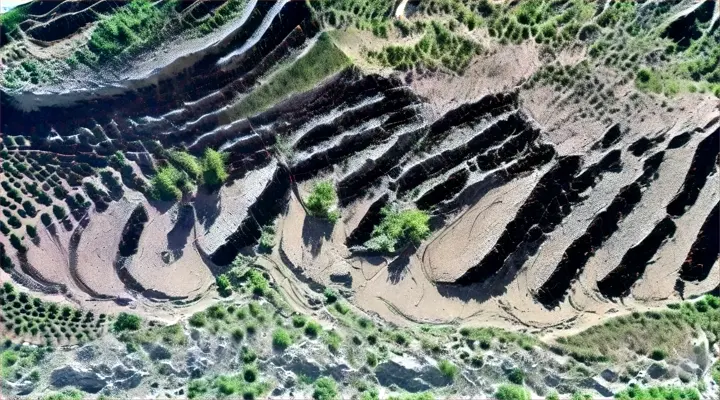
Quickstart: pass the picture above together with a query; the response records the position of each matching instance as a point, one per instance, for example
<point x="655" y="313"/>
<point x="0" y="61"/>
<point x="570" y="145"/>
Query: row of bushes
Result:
<point x="184" y="170"/>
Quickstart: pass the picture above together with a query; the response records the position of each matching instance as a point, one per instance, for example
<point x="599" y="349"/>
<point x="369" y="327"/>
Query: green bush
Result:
<point x="238" y="334"/>
<point x="322" y="198"/>
<point x="267" y="239"/>
<point x="260" y="285"/>
<point x="188" y="163"/>
<point x="512" y="392"/>
<point x="224" y="286"/>
<point x="197" y="387"/>
<point x="553" y="395"/>
<point x="198" y="320"/>
<point x="330" y="295"/>
<point x="166" y="183"/>
<point x="325" y="389"/>
<point x="658" y="354"/>
<point x="333" y="341"/>
<point x="448" y="369"/>
<point x="371" y="359"/>
<point x="313" y="329"/>
<point x="516" y="376"/>
<point x="31" y="231"/>
<point x="299" y="321"/>
<point x="250" y="374"/>
<point x="72" y="394"/>
<point x="126" y="322"/>
<point x="214" y="169"/>
<point x="281" y="339"/>
<point x="399" y="228"/>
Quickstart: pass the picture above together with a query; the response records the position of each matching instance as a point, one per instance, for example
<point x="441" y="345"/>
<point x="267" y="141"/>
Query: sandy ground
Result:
<point x="99" y="246"/>
<point x="462" y="244"/>
<point x="184" y="276"/>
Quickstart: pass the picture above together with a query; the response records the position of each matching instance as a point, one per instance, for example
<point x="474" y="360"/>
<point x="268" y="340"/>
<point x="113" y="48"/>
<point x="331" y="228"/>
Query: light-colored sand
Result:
<point x="99" y="246"/>
<point x="186" y="276"/>
<point x="462" y="244"/>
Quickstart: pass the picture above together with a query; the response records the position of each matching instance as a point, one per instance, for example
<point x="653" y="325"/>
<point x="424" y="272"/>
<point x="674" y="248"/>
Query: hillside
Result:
<point x="518" y="190"/>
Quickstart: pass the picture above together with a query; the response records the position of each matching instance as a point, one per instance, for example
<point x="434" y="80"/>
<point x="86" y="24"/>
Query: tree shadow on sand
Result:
<point x="207" y="207"/>
<point x="495" y="285"/>
<point x="177" y="238"/>
<point x="314" y="230"/>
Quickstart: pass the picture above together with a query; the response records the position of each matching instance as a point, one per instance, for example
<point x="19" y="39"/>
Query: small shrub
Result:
<point x="281" y="339"/>
<point x="448" y="369"/>
<point x="333" y="341"/>
<point x="298" y="321"/>
<point x="224" y="286"/>
<point x="658" y="354"/>
<point x="198" y="320"/>
<point x="516" y="376"/>
<point x="250" y="374"/>
<point x="313" y="329"/>
<point x="216" y="312"/>
<point x="214" y="169"/>
<point x="342" y="308"/>
<point x="371" y="359"/>
<point x="325" y="389"/>
<point x="238" y="334"/>
<point x="330" y="296"/>
<point x="399" y="228"/>
<point x="322" y="199"/>
<point x="512" y="392"/>
<point x="126" y="322"/>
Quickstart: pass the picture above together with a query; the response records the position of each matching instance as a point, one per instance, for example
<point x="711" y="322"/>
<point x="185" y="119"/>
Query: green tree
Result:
<point x="325" y="389"/>
<point x="399" y="228"/>
<point x="321" y="200"/>
<point x="126" y="322"/>
<point x="214" y="169"/>
<point x="165" y="184"/>
<point x="224" y="286"/>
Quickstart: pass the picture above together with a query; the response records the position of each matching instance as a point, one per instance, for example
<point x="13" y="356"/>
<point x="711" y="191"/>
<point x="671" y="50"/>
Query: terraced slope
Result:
<point x="535" y="215"/>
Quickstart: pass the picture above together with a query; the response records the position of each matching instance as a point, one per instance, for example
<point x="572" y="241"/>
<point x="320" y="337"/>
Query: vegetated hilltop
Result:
<point x="536" y="165"/>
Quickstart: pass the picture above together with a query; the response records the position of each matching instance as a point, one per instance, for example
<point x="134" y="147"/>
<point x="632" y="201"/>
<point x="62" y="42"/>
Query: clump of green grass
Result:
<point x="313" y="329"/>
<point x="325" y="389"/>
<point x="166" y="184"/>
<point x="448" y="369"/>
<point x="398" y="228"/>
<point x="333" y="340"/>
<point x="267" y="239"/>
<point x="512" y="392"/>
<point x="224" y="285"/>
<point x="188" y="163"/>
<point x="198" y="320"/>
<point x="214" y="170"/>
<point x="281" y="339"/>
<point x="516" y="376"/>
<point x="323" y="59"/>
<point x="322" y="200"/>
